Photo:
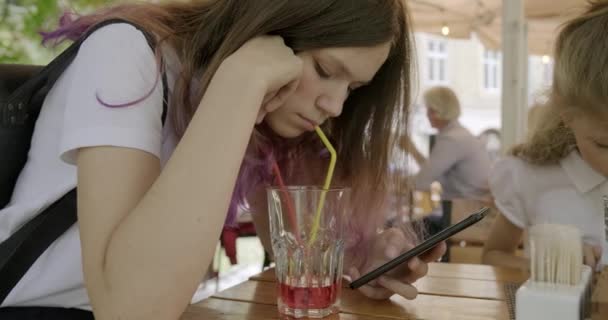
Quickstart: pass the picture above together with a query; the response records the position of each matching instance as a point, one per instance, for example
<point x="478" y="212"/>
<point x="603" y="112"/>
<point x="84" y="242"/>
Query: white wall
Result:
<point x="464" y="74"/>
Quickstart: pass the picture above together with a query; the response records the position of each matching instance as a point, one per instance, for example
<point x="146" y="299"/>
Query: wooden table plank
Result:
<point x="465" y="288"/>
<point x="476" y="272"/>
<point x="452" y="287"/>
<point x="449" y="270"/>
<point x="423" y="307"/>
<point x="267" y="275"/>
<point x="219" y="309"/>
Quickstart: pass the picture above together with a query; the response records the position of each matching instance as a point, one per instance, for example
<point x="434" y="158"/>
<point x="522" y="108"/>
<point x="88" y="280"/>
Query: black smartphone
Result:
<point x="425" y="246"/>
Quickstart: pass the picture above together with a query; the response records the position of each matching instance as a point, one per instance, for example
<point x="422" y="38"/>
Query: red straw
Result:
<point x="290" y="209"/>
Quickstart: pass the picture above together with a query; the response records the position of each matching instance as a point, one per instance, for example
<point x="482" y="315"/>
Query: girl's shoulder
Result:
<point x="520" y="167"/>
<point x="523" y="176"/>
<point x="110" y="93"/>
<point x="115" y="39"/>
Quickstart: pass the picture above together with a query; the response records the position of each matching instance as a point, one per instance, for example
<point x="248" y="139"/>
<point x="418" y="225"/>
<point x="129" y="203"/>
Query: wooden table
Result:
<point x="449" y="291"/>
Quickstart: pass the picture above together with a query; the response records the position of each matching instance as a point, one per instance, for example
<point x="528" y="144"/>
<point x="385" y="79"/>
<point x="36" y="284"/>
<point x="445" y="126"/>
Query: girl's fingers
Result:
<point x="434" y="254"/>
<point x="590" y="256"/>
<point x="260" y="117"/>
<point x="399" y="287"/>
<point x="419" y="270"/>
<point x="281" y="96"/>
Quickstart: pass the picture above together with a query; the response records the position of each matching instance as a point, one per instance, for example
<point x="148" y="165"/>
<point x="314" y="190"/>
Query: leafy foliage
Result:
<point x="21" y="21"/>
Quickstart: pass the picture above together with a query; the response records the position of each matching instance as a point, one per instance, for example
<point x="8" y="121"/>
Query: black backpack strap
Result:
<point x="30" y="241"/>
<point x="19" y="252"/>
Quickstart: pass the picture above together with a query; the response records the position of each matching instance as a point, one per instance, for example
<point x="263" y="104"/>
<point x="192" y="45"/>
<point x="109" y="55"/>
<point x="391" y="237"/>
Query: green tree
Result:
<point x="22" y="20"/>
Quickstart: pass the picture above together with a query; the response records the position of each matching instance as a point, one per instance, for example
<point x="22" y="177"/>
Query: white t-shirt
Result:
<point x="569" y="193"/>
<point x="117" y="64"/>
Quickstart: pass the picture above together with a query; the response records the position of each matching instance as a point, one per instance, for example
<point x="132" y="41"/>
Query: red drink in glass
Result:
<point x="308" y="260"/>
<point x="309" y="297"/>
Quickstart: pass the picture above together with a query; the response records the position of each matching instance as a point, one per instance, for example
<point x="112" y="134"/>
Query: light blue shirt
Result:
<point x="458" y="161"/>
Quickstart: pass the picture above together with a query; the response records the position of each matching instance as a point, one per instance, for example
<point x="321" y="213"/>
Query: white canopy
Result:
<point x="484" y="17"/>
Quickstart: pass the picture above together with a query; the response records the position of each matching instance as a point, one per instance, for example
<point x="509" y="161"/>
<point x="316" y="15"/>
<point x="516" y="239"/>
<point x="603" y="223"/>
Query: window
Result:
<point x="437" y="61"/>
<point x="491" y="70"/>
<point x="547" y="71"/>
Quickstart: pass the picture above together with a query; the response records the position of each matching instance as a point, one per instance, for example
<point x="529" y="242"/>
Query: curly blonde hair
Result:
<point x="580" y="86"/>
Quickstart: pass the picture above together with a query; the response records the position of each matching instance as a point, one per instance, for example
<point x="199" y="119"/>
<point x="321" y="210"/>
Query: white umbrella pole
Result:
<point x="515" y="73"/>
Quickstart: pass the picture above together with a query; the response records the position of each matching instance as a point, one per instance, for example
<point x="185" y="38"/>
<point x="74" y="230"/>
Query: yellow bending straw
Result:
<point x="330" y="173"/>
